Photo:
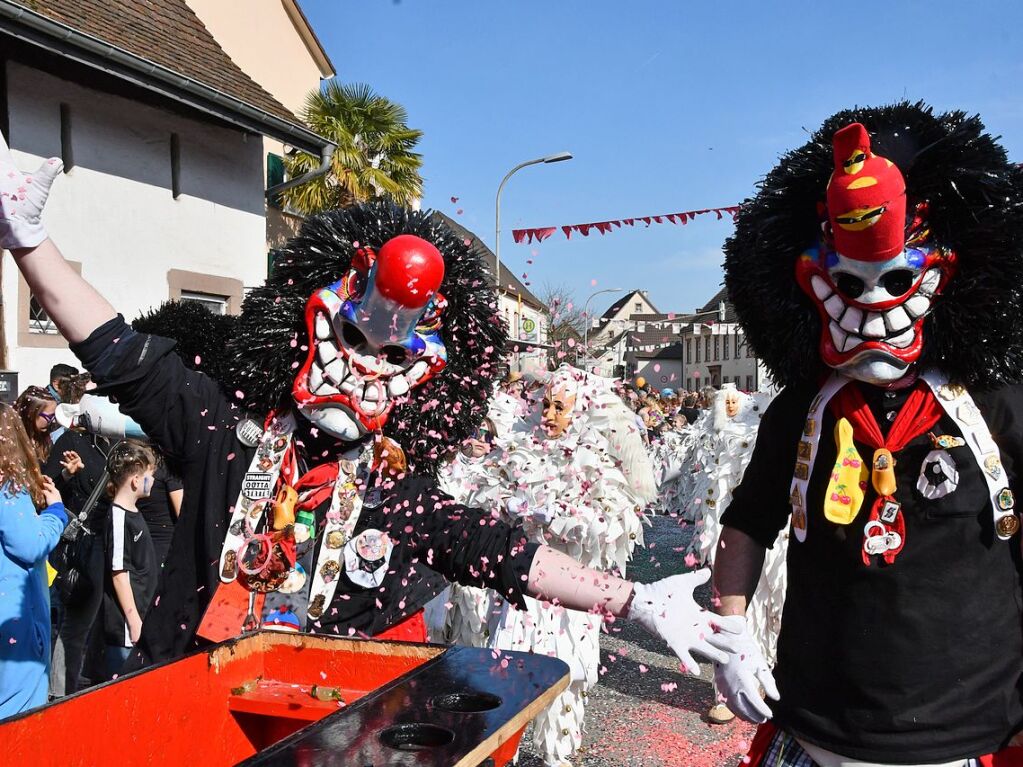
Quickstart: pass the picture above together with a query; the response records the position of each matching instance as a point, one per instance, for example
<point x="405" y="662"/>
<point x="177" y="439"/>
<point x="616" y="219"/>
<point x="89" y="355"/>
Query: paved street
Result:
<point x="644" y="712"/>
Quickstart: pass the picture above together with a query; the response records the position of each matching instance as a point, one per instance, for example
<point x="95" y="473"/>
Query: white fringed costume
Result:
<point x="723" y="450"/>
<point x="671" y="458"/>
<point x="584" y="494"/>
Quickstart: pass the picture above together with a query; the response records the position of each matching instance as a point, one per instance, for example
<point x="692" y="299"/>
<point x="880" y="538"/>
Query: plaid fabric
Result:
<point x="785" y="751"/>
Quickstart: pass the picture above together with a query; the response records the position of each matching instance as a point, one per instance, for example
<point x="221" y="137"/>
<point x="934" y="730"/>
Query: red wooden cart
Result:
<point x="297" y="700"/>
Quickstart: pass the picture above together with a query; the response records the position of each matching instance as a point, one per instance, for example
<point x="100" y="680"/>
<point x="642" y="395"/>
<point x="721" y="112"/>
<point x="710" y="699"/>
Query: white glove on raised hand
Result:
<point x="745" y="673"/>
<point x="22" y="197"/>
<point x="666" y="609"/>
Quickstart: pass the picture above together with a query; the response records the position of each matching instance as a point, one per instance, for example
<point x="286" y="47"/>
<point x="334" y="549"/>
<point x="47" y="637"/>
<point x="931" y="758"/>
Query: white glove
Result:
<point x="22" y="197"/>
<point x="745" y="673"/>
<point x="666" y="609"/>
<point x="541" y="515"/>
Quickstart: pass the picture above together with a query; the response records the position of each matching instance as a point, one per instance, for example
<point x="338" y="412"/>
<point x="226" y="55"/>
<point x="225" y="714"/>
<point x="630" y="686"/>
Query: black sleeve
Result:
<point x="760" y="504"/>
<point x="178" y="408"/>
<point x="465" y="545"/>
<point x="1003" y="413"/>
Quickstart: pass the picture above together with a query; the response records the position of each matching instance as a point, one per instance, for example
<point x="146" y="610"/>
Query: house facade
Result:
<point x="162" y="138"/>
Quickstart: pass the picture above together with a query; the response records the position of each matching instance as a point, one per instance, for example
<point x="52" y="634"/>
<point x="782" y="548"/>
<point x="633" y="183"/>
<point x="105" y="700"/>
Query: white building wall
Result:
<point x="114" y="211"/>
<point x="514" y="315"/>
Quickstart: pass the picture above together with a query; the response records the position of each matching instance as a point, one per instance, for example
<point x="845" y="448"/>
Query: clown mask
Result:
<point x="374" y="335"/>
<point x="875" y="275"/>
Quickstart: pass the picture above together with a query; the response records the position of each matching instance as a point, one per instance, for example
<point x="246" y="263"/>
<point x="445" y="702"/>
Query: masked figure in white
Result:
<point x="577" y="476"/>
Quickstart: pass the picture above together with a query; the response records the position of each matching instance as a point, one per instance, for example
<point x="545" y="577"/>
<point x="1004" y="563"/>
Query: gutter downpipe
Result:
<point x="153" y="77"/>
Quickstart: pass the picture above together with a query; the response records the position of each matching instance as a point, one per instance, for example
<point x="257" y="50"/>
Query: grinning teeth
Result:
<point x="820" y="287"/>
<point x="851" y="342"/>
<point x="835" y="306"/>
<point x="315" y="377"/>
<point x="348" y="385"/>
<point x="336" y="371"/>
<point x="398" y="386"/>
<point x="929" y="284"/>
<point x="897" y="320"/>
<point x="323" y="331"/>
<point x="326" y="351"/>
<point x="903" y="340"/>
<point x="371" y="393"/>
<point x="417" y="371"/>
<point x="851" y="319"/>
<point x="326" y="389"/>
<point x="917" y="306"/>
<point x="874" y="326"/>
<point x="838" y="335"/>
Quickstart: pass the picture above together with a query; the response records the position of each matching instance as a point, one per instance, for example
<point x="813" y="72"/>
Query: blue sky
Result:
<point x="666" y="106"/>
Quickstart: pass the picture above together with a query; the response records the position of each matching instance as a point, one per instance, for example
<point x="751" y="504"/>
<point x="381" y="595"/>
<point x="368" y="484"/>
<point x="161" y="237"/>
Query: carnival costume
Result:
<point x="583" y="493"/>
<point x="878" y="276"/>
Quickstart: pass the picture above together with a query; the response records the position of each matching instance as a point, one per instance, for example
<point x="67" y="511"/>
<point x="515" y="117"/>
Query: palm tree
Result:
<point x="374" y="156"/>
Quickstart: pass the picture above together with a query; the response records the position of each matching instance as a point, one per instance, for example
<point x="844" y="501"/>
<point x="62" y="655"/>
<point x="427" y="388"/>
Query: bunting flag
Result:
<point x="541" y="233"/>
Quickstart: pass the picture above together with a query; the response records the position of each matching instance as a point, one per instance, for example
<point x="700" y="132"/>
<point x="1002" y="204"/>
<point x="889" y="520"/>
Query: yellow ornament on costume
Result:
<point x="844" y="496"/>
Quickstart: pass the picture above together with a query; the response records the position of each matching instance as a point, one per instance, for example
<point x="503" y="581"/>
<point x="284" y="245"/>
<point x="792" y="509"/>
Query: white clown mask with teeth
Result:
<point x="873" y="312"/>
<point x="374" y="335"/>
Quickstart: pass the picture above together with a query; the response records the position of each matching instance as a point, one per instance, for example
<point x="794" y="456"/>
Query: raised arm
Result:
<point x="71" y="302"/>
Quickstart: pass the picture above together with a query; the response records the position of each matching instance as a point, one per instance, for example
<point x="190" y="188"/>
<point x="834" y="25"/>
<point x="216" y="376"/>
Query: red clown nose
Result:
<point x="409" y="270"/>
<point x="866" y="199"/>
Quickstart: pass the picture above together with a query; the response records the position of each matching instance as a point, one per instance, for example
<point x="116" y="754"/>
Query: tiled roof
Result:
<point x="712" y="306"/>
<point x="166" y="33"/>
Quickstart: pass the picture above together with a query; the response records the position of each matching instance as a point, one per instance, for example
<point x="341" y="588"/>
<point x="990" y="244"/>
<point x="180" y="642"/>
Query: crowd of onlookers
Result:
<point x="85" y="524"/>
<point x="664" y="410"/>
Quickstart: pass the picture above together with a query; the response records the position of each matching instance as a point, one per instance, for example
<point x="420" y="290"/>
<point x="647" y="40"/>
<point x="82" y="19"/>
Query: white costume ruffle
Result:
<point x="671" y="459"/>
<point x="583" y="494"/>
<point x="723" y="450"/>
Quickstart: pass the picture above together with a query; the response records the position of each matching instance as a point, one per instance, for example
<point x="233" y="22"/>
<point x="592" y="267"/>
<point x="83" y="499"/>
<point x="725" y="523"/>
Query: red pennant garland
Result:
<point x="539" y="234"/>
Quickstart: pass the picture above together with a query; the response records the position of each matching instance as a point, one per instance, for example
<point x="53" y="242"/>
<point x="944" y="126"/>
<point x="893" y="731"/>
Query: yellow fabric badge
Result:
<point x="844" y="496"/>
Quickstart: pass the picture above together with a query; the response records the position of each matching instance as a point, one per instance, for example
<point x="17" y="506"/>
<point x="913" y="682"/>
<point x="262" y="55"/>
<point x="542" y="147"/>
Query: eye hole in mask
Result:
<point x="849" y="285"/>
<point x="898" y="282"/>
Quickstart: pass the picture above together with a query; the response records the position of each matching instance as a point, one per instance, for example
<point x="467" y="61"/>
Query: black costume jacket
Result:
<point x="920" y="660"/>
<point x="193" y="421"/>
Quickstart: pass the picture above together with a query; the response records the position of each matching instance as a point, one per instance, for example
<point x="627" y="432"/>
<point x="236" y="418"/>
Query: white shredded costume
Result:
<point x="584" y="494"/>
<point x="723" y="449"/>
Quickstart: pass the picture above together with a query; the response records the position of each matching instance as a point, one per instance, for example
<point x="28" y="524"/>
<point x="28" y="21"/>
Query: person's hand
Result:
<point x="134" y="629"/>
<point x="50" y="493"/>
<point x="72" y="462"/>
<point x="22" y="197"/>
<point x="745" y="673"/>
<point x="666" y="609"/>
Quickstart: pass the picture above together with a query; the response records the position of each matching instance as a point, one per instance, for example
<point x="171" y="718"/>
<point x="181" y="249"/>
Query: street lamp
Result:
<point x="559" y="157"/>
<point x="586" y="316"/>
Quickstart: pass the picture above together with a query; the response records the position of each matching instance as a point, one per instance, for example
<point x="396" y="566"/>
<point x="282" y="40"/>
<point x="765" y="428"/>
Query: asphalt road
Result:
<point x="645" y="712"/>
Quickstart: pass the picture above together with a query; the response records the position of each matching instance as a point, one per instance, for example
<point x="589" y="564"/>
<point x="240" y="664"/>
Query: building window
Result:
<point x="749" y="383"/>
<point x="38" y="320"/>
<point x="638" y="307"/>
<point x="725" y="349"/>
<point x="717" y="348"/>
<point x="641" y="327"/>
<point x="749" y="350"/>
<point x="697" y="351"/>
<point x="689" y="384"/>
<point x="689" y="351"/>
<point x="737" y="346"/>
<point x="216" y="304"/>
<point x="706" y="349"/>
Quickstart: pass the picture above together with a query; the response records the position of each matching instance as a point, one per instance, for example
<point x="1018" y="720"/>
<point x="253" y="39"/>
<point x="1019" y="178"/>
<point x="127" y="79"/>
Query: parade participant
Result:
<point x="26" y="538"/>
<point x="877" y="276"/>
<point x="724" y="447"/>
<point x="577" y="477"/>
<point x="375" y="322"/>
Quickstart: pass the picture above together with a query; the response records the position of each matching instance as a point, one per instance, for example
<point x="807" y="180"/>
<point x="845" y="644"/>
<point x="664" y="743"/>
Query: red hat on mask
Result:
<point x="866" y="199"/>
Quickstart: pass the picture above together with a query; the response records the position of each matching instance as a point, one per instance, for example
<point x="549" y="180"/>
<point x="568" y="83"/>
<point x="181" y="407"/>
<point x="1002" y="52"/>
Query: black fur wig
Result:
<point x="974" y="332"/>
<point x="270" y="342"/>
<point x="200" y="335"/>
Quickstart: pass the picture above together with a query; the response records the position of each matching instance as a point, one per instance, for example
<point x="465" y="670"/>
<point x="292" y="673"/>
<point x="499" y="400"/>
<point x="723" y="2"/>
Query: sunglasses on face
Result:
<point x="48" y="417"/>
<point x="484" y="435"/>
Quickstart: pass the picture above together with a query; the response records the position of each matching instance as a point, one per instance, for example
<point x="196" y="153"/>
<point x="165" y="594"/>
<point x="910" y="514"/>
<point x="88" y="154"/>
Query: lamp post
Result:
<point x="586" y="316"/>
<point x="559" y="157"/>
